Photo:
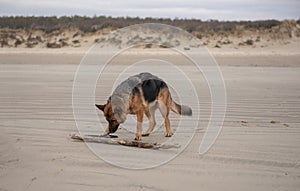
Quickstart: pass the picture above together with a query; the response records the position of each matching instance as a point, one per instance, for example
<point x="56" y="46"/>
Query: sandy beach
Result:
<point x="257" y="149"/>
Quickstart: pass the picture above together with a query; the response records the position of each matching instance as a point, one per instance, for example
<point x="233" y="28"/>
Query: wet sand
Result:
<point x="258" y="148"/>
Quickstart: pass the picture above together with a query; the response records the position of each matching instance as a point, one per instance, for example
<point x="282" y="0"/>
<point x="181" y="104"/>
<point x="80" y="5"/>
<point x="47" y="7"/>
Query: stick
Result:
<point x="139" y="144"/>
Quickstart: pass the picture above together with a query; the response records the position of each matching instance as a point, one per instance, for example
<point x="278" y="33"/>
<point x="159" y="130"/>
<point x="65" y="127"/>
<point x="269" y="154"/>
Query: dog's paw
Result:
<point x="138" y="137"/>
<point x="169" y="134"/>
<point x="145" y="134"/>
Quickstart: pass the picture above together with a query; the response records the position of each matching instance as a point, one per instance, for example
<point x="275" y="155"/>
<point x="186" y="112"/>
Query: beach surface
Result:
<point x="257" y="149"/>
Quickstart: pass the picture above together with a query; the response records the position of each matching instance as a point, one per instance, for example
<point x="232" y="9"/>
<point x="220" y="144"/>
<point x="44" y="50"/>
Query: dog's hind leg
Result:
<point x="164" y="110"/>
<point x="151" y="116"/>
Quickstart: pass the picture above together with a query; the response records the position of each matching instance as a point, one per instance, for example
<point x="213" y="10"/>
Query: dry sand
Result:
<point x="258" y="148"/>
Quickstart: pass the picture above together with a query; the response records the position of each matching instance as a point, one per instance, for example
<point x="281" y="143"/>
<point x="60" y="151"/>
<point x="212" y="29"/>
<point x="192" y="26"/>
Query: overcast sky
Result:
<point x="199" y="9"/>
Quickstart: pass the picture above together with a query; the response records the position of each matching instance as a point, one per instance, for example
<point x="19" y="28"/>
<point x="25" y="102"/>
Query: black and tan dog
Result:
<point x="141" y="94"/>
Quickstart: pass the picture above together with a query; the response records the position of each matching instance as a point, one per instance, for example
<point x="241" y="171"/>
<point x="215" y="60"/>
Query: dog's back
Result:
<point x="144" y="84"/>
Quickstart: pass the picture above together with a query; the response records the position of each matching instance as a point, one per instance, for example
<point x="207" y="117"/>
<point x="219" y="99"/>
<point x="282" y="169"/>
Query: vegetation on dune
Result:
<point x="91" y="24"/>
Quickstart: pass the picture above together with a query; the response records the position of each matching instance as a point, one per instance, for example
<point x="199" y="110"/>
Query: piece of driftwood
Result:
<point x="105" y="140"/>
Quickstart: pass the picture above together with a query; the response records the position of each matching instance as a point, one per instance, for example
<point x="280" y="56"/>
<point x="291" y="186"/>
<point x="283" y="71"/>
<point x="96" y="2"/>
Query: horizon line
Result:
<point x="143" y="17"/>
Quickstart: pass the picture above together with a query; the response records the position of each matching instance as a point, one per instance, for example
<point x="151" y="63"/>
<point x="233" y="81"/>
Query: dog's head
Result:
<point x="114" y="115"/>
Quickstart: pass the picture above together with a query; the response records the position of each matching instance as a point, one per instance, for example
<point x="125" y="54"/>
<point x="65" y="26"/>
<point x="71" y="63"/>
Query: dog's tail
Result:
<point x="181" y="109"/>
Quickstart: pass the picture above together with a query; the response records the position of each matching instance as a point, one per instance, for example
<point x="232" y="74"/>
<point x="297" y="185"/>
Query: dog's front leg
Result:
<point x="139" y="126"/>
<point x="106" y="131"/>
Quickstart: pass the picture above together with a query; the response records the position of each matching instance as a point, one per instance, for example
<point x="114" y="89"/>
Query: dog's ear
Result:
<point x="101" y="107"/>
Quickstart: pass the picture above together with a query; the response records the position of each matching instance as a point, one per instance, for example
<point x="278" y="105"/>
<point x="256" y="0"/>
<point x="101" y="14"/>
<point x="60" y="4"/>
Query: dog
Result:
<point x="141" y="94"/>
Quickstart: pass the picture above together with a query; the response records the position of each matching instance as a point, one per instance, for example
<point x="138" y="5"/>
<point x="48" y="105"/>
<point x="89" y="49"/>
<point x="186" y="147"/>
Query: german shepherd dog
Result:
<point x="138" y="95"/>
